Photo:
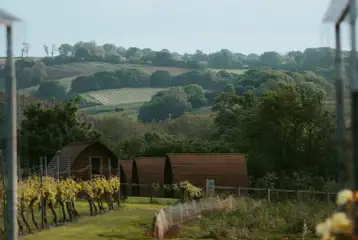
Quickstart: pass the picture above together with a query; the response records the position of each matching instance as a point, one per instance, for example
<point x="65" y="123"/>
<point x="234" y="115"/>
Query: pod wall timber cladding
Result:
<point x="150" y="170"/>
<point x="228" y="170"/>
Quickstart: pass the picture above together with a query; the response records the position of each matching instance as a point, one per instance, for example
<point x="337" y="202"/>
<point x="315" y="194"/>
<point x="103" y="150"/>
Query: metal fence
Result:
<point x="277" y="194"/>
<point x="172" y="216"/>
<point x="271" y="195"/>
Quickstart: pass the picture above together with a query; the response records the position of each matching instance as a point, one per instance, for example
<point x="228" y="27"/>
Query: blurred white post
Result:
<point x="11" y="127"/>
<point x="337" y="12"/>
<point x="119" y="177"/>
<point x="109" y="168"/>
<point x="45" y="158"/>
<point x="58" y="167"/>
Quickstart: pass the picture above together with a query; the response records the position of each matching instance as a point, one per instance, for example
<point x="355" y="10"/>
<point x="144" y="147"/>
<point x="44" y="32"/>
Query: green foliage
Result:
<point x="260" y="220"/>
<point x="46" y="130"/>
<point x="171" y="103"/>
<point x="196" y="95"/>
<point x="110" y="80"/>
<point x="287" y="129"/>
<point x="51" y="90"/>
<point x="160" y="79"/>
<point x="229" y="88"/>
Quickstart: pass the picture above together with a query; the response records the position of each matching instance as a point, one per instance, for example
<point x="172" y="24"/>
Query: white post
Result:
<point x="109" y="168"/>
<point x="58" y="167"/>
<point x="90" y="167"/>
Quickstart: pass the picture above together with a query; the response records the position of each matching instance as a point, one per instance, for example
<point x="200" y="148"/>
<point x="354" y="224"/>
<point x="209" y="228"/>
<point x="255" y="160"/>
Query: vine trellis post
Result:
<point x="338" y="12"/>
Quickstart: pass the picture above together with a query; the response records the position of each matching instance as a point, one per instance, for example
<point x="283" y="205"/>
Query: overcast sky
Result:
<point x="177" y="25"/>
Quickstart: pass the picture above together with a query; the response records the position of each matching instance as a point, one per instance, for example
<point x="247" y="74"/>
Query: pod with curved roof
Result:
<point x="150" y="170"/>
<point x="75" y="159"/>
<point x="227" y="170"/>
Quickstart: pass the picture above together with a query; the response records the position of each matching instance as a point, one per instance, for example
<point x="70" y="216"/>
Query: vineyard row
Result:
<point x="48" y="195"/>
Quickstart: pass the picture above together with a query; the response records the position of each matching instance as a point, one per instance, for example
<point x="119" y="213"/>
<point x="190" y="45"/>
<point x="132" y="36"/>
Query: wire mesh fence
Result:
<point x="272" y="195"/>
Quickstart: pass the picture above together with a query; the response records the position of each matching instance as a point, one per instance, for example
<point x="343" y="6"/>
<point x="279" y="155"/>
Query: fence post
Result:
<point x="90" y="168"/>
<point x="41" y="197"/>
<point x="298" y="196"/>
<point x="4" y="186"/>
<point x="109" y="168"/>
<point x="119" y="177"/>
<point x="58" y="167"/>
<point x="269" y="195"/>
<point x="239" y="191"/>
<point x="18" y="168"/>
<point x="45" y="158"/>
<point x="171" y="215"/>
<point x="69" y="169"/>
<point x="328" y="197"/>
<point x="181" y="212"/>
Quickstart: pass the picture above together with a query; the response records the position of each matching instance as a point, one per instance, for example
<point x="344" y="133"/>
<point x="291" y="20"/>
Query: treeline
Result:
<point x="309" y="59"/>
<point x="188" y="93"/>
<point x="254" y="79"/>
<point x="135" y="78"/>
<point x="319" y="60"/>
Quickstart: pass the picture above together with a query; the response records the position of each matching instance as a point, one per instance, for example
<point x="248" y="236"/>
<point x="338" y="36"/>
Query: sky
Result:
<point x="253" y="26"/>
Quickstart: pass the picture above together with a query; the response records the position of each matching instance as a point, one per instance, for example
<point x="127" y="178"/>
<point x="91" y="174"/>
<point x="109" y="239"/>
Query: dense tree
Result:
<point x="167" y="104"/>
<point x="229" y="88"/>
<point x="39" y="72"/>
<point x="287" y="129"/>
<point x="51" y="90"/>
<point x="160" y="79"/>
<point x="196" y="95"/>
<point x="46" y="130"/>
<point x="66" y="49"/>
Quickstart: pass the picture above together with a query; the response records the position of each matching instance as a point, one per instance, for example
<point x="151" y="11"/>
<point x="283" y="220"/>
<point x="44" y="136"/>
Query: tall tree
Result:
<point x="46" y="130"/>
<point x="46" y="50"/>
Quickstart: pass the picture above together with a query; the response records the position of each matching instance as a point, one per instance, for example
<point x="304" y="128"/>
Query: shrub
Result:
<point x="260" y="220"/>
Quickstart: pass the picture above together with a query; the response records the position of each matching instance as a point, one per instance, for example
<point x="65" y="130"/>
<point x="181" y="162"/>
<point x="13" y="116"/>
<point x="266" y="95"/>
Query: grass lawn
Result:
<point x="131" y="222"/>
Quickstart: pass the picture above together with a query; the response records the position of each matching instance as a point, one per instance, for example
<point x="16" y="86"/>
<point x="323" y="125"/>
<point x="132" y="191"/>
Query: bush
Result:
<point x="260" y="220"/>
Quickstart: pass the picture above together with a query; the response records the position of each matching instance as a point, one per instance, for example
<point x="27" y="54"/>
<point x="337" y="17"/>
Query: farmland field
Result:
<point x="123" y="95"/>
<point x="130" y="109"/>
<point x="87" y="68"/>
<point x="235" y="71"/>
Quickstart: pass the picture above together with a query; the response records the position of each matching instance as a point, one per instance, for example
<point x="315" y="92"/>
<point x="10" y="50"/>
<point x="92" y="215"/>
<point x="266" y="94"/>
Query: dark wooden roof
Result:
<point x="127" y="166"/>
<point x="68" y="156"/>
<point x="228" y="170"/>
<point x="150" y="169"/>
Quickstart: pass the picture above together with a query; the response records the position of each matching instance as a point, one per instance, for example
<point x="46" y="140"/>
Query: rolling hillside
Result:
<point x="129" y="100"/>
<point x="65" y="73"/>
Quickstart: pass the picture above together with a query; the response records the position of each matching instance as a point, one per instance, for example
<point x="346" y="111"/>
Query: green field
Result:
<point x="86" y="68"/>
<point x="122" y="95"/>
<point x="235" y="71"/>
<point x="100" y="111"/>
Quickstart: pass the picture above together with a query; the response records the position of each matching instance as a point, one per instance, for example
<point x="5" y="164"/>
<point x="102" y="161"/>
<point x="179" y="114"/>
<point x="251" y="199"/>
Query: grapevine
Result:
<point x="340" y="224"/>
<point x="190" y="191"/>
<point x="32" y="194"/>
